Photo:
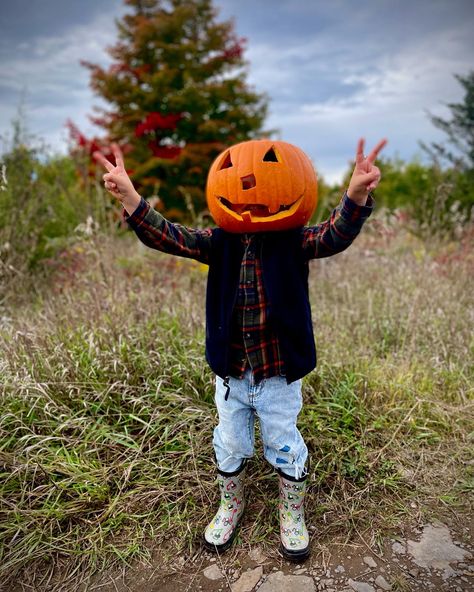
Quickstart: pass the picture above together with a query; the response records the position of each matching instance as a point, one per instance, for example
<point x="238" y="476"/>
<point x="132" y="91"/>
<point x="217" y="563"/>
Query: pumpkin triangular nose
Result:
<point x="248" y="181"/>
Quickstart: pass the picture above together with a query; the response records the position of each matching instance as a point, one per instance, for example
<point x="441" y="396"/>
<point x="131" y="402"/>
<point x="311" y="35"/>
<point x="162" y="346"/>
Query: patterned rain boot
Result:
<point x="293" y="532"/>
<point x="222" y="529"/>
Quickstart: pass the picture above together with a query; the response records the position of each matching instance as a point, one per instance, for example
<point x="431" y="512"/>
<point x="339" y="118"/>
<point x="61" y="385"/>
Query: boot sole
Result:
<point x="213" y="548"/>
<point x="295" y="556"/>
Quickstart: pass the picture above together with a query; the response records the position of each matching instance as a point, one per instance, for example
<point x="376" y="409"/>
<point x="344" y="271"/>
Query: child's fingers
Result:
<point x="115" y="193"/>
<point x="110" y="177"/>
<point x="376" y="179"/>
<point x="368" y="178"/>
<point x="375" y="152"/>
<point x="118" y="155"/>
<point x="110" y="181"/>
<point x="360" y="151"/>
<point x="101" y="158"/>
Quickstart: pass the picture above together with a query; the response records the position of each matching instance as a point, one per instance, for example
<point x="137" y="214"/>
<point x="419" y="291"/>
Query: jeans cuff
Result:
<point x="233" y="473"/>
<point x="294" y="479"/>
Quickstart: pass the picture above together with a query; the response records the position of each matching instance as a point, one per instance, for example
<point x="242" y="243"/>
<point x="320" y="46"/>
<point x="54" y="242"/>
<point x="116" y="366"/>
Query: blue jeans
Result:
<point x="277" y="405"/>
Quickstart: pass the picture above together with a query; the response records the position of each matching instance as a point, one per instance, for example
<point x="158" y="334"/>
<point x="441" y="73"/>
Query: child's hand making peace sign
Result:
<point x="366" y="175"/>
<point x="117" y="181"/>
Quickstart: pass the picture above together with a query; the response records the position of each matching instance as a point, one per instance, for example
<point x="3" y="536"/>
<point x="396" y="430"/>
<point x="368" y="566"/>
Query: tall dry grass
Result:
<point x="107" y="404"/>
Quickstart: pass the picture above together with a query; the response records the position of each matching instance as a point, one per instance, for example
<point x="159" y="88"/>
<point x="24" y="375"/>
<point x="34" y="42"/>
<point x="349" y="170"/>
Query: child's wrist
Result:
<point x="131" y="203"/>
<point x="360" y="198"/>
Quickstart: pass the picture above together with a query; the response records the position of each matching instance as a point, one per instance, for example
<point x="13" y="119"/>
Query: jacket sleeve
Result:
<point x="338" y="231"/>
<point x="157" y="232"/>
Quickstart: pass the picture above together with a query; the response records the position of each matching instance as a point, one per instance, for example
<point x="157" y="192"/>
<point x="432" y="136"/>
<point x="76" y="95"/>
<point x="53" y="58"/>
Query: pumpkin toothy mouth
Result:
<point x="258" y="211"/>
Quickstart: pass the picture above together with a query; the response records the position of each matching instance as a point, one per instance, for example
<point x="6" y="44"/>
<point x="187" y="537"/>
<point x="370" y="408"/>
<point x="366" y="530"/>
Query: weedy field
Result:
<point x="107" y="403"/>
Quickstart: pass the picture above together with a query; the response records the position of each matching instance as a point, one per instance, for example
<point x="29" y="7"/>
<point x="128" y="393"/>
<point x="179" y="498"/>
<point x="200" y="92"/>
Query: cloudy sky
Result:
<point x="333" y="70"/>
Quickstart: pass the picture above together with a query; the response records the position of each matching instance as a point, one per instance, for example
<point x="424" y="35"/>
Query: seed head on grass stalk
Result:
<point x="108" y="408"/>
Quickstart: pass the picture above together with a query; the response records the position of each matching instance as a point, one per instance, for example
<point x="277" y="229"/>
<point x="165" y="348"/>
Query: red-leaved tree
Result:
<point x="178" y="95"/>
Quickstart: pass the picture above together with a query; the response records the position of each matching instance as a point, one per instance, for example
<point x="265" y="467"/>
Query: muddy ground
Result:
<point x="434" y="556"/>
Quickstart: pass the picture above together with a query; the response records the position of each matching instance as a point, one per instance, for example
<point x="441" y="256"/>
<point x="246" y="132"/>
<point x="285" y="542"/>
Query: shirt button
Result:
<point x="247" y="335"/>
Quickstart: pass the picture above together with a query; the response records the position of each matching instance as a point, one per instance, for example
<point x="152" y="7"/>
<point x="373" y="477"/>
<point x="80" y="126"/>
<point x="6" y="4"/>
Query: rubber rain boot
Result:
<point x="293" y="531"/>
<point x="221" y="531"/>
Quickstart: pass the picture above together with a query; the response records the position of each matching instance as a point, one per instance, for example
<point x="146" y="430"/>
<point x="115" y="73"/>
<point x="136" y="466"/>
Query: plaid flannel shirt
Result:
<point x="253" y="343"/>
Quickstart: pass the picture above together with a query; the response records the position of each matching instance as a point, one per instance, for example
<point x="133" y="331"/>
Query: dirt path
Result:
<point x="436" y="556"/>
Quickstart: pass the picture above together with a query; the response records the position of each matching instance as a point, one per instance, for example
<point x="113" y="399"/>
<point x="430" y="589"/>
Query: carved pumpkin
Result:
<point x="261" y="185"/>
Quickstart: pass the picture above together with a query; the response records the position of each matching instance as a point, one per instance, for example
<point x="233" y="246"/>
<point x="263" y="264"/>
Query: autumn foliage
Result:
<point x="177" y="96"/>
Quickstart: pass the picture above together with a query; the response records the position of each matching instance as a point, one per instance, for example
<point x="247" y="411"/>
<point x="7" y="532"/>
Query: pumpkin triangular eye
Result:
<point x="271" y="156"/>
<point x="226" y="162"/>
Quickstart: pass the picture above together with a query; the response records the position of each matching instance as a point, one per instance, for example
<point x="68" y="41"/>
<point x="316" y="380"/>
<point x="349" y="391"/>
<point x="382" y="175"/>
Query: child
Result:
<point x="259" y="338"/>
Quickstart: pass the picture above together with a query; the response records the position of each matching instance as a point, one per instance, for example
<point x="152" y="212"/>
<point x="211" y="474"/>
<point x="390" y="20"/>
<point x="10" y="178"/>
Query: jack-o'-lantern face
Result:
<point x="261" y="185"/>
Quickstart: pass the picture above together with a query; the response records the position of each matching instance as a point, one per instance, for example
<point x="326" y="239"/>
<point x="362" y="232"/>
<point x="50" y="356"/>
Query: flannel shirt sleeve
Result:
<point x="338" y="231"/>
<point x="156" y="232"/>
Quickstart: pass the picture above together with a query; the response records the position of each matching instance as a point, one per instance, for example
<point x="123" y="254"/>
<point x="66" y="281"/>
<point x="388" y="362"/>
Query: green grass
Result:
<point x="107" y="406"/>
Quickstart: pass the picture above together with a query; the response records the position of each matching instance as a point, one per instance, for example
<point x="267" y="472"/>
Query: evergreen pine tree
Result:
<point x="179" y="96"/>
<point x="459" y="130"/>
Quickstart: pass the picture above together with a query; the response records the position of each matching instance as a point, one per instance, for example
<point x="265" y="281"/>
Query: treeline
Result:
<point x="49" y="202"/>
<point x="435" y="200"/>
<point x="178" y="96"/>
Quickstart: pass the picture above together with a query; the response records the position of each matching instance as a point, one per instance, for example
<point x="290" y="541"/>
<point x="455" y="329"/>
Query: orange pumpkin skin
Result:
<point x="261" y="185"/>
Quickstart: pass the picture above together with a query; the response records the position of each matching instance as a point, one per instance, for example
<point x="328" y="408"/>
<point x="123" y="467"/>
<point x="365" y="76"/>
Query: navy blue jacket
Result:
<point x="285" y="280"/>
<point x="285" y="275"/>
